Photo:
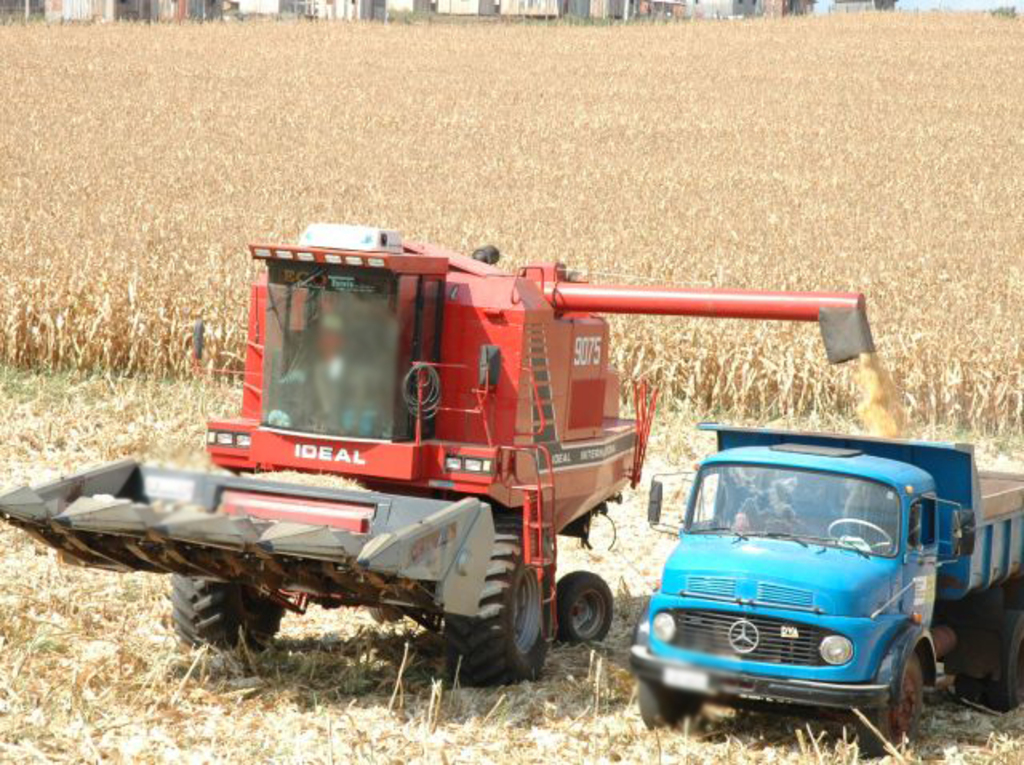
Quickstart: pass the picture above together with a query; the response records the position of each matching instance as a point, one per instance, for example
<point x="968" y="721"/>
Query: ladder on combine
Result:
<point x="540" y="547"/>
<point x="540" y="541"/>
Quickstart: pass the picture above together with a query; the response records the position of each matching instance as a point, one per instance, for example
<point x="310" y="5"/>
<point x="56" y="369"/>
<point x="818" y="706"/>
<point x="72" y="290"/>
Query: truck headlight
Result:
<point x="664" y="627"/>
<point x="835" y="649"/>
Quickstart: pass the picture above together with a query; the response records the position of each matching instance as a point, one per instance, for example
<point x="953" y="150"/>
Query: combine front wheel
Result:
<point x="217" y="613"/>
<point x="505" y="642"/>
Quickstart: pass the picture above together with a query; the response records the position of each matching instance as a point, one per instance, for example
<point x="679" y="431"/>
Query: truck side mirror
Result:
<point x="198" y="339"/>
<point x="964" y="532"/>
<point x="490" y="367"/>
<point x="654" y="503"/>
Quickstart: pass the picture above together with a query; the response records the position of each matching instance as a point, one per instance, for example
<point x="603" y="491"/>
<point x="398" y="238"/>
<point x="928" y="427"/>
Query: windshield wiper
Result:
<point x="835" y="542"/>
<point x="782" y="535"/>
<point x="719" y="530"/>
<point x="847" y="545"/>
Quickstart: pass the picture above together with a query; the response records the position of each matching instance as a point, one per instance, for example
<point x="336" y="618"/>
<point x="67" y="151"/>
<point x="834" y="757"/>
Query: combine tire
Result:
<point x="505" y="642"/>
<point x="217" y="613"/>
<point x="584" y="607"/>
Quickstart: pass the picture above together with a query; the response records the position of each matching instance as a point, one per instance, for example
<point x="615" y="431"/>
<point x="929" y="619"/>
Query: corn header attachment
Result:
<point x="337" y="547"/>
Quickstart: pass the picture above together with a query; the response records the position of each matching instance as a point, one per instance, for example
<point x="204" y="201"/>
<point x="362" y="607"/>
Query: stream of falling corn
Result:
<point x="880" y="409"/>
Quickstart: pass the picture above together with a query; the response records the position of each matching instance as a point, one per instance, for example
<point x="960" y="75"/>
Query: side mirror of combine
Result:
<point x="490" y="367"/>
<point x="964" y="532"/>
<point x="198" y="339"/>
<point x="654" y="503"/>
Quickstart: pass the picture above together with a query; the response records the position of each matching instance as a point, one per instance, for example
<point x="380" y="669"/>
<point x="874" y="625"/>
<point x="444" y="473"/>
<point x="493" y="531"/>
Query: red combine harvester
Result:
<point x="477" y="406"/>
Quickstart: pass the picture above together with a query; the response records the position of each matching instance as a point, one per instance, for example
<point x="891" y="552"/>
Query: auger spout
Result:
<point x="841" y="316"/>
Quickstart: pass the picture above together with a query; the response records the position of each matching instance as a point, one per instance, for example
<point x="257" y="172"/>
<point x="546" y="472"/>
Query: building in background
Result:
<point x="855" y="6"/>
<point x="777" y="8"/>
<point x="132" y="10"/>
<point x="409" y="6"/>
<point x="552" y="9"/>
<point x="15" y="10"/>
<point x="466" y="7"/>
<point x="724" y="9"/>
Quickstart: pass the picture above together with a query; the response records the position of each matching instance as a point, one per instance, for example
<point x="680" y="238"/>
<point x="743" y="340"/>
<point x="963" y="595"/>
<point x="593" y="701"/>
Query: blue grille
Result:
<point x="781" y="595"/>
<point x="715" y="586"/>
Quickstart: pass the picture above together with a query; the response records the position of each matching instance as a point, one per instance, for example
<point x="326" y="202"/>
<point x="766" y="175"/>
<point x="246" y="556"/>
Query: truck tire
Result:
<point x="900" y="718"/>
<point x="505" y="643"/>
<point x="217" y="613"/>
<point x="1007" y="693"/>
<point x="662" y="707"/>
<point x="585" y="605"/>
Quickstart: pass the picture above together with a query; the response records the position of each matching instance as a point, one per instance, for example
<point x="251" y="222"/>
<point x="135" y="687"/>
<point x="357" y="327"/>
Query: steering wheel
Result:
<point x="858" y="522"/>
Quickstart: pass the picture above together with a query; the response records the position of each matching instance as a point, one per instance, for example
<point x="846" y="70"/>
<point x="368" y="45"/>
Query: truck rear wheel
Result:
<point x="662" y="707"/>
<point x="218" y="613"/>
<point x="898" y="720"/>
<point x="584" y="607"/>
<point x="1007" y="693"/>
<point x="505" y="642"/>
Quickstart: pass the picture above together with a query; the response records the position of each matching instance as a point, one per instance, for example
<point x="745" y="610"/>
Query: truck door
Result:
<point x="920" y="558"/>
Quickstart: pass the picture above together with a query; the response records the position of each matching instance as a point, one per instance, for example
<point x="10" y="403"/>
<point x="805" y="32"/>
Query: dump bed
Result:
<point x="1002" y="495"/>
<point x="997" y="499"/>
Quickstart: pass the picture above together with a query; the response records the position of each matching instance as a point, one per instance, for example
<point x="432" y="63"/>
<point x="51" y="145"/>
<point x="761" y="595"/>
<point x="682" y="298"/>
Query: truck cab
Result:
<point x="806" y="573"/>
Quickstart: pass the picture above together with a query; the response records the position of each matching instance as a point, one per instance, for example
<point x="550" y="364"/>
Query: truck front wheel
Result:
<point x="662" y="707"/>
<point x="898" y="720"/>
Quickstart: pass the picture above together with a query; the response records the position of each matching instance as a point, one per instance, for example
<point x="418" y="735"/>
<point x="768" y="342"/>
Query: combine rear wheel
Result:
<point x="584" y="607"/>
<point x="505" y="642"/>
<point x="217" y="613"/>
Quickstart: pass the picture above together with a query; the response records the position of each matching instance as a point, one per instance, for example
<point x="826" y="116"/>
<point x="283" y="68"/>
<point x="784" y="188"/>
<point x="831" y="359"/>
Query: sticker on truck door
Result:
<point x="924" y="590"/>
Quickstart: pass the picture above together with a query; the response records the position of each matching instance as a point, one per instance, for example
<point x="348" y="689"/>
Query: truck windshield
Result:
<point x="331" y="352"/>
<point x="803" y="505"/>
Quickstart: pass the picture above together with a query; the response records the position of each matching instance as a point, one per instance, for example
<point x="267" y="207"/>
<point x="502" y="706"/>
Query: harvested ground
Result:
<point x="90" y="672"/>
<point x="876" y="153"/>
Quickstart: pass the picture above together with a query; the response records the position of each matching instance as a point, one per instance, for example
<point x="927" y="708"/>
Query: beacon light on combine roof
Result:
<point x="335" y="236"/>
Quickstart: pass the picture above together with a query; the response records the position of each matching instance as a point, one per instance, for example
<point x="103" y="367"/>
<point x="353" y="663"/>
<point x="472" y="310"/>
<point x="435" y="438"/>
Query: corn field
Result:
<point x="878" y="153"/>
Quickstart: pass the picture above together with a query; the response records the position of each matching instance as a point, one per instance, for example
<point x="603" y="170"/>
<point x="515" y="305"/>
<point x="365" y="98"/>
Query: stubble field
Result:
<point x="881" y="154"/>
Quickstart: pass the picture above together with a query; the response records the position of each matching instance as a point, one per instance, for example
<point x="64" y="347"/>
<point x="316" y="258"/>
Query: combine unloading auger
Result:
<point x="479" y="408"/>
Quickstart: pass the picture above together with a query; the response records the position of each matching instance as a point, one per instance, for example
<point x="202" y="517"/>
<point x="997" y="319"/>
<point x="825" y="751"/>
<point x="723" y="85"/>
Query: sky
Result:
<point x="946" y="5"/>
<point x="956" y="5"/>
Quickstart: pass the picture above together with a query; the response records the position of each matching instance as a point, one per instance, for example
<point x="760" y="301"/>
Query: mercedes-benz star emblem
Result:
<point x="743" y="636"/>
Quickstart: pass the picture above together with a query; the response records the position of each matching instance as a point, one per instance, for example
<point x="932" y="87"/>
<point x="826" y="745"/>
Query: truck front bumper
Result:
<point x="758" y="687"/>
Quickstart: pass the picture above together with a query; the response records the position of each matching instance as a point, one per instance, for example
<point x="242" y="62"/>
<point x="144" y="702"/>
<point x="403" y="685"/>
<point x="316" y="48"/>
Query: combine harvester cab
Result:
<point x="478" y="407"/>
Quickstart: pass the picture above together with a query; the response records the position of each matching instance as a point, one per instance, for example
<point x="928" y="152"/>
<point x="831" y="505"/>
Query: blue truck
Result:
<point x="829" y="573"/>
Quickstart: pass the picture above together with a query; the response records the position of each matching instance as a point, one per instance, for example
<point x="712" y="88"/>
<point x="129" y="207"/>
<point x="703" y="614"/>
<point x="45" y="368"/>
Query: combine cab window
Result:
<point x="333" y="351"/>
